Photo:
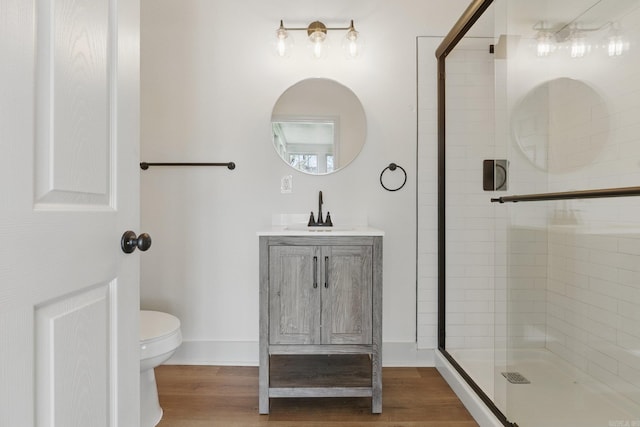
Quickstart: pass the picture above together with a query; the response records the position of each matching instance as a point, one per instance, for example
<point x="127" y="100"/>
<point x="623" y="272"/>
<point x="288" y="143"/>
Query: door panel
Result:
<point x="294" y="299"/>
<point x="346" y="299"/>
<point x="72" y="359"/>
<point x="73" y="102"/>
<point x="69" y="132"/>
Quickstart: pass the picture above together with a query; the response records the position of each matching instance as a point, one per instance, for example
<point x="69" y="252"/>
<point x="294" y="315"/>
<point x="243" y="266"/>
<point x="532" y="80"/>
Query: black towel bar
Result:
<point x="145" y="165"/>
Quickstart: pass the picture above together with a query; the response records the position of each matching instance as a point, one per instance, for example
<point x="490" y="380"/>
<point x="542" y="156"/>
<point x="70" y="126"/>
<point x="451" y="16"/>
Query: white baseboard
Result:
<point x="223" y="353"/>
<point x="245" y="353"/>
<point x="400" y="354"/>
<point x="469" y="398"/>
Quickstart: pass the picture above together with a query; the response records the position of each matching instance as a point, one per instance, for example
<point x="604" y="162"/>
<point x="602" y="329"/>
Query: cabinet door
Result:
<point x="346" y="294"/>
<point x="294" y="295"/>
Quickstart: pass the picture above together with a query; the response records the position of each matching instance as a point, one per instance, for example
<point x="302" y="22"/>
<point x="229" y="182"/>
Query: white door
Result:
<point x="69" y="141"/>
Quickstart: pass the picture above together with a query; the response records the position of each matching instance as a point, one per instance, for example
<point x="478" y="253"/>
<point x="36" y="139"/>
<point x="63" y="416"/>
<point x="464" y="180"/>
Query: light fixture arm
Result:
<point x="314" y="26"/>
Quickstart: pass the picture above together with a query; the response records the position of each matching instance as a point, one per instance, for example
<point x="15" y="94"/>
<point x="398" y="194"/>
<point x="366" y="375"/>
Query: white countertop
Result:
<point x="296" y="225"/>
<point x="303" y="230"/>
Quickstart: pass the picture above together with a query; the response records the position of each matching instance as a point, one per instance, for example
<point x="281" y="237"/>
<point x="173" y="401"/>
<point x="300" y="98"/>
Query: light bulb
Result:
<point x="352" y="44"/>
<point x="284" y="42"/>
<point x="318" y="48"/>
<point x="545" y="43"/>
<point x="617" y="42"/>
<point x="579" y="46"/>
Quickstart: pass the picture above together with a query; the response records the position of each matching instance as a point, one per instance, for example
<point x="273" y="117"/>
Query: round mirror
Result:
<point x="561" y="125"/>
<point x="318" y="126"/>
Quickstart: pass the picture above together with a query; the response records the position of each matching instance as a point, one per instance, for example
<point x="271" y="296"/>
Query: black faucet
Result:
<point x="320" y="222"/>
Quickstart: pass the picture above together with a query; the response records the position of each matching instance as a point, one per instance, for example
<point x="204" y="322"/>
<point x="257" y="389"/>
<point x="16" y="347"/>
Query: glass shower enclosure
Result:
<point x="539" y="209"/>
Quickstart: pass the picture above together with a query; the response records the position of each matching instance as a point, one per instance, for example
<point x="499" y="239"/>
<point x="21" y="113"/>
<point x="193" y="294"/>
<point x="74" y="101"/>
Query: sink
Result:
<point x="319" y="229"/>
<point x="292" y="225"/>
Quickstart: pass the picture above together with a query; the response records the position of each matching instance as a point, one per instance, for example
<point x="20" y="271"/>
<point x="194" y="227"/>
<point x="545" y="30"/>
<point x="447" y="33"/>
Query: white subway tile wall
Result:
<point x="471" y="244"/>
<point x="593" y="300"/>
<point x="589" y="285"/>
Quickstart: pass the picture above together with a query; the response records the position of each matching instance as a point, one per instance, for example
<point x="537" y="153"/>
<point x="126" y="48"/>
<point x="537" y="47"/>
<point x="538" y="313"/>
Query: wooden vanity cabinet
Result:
<point x="320" y="296"/>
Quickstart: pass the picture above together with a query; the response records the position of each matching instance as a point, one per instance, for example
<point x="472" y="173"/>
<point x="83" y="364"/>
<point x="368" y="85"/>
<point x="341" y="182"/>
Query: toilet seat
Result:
<point x="159" y="333"/>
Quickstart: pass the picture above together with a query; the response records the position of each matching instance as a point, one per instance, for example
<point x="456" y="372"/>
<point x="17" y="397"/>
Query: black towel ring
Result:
<point x="392" y="167"/>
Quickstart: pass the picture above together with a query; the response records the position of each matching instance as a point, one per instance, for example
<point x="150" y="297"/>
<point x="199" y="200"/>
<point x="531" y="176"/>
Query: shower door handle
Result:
<point x="129" y="242"/>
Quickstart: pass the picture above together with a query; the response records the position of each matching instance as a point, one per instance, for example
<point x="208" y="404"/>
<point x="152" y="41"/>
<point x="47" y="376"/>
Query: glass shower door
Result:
<point x="573" y="264"/>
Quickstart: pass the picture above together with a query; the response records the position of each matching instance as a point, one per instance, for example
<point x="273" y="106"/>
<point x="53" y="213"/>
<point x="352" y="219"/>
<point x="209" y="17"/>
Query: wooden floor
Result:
<point x="199" y="396"/>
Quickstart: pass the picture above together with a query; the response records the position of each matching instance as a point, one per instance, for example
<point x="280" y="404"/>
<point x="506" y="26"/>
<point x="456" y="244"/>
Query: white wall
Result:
<point x="209" y="82"/>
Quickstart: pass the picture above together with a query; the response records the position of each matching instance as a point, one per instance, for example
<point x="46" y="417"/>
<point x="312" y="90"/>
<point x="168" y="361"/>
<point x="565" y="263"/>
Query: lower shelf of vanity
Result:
<point x="302" y="371"/>
<point x="325" y="375"/>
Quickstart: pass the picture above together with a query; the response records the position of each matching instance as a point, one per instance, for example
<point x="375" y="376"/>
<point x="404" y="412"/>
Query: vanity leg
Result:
<point x="263" y="370"/>
<point x="263" y="385"/>
<point x="376" y="384"/>
<point x="376" y="355"/>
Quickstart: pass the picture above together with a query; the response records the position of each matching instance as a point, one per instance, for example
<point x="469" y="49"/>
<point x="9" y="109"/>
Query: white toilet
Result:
<point x="160" y="337"/>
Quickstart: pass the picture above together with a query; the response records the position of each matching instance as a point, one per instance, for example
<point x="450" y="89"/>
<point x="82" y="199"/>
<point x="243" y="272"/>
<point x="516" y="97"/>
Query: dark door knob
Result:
<point x="130" y="242"/>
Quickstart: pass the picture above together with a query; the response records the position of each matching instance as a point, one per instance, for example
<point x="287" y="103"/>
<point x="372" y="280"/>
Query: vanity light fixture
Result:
<point x="573" y="38"/>
<point x="317" y="33"/>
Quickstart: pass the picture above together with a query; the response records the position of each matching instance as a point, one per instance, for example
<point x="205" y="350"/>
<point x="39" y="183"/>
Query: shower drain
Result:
<point x="515" y="378"/>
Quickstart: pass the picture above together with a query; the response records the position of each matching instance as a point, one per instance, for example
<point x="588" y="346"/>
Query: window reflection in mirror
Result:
<point x="309" y="145"/>
<point x="318" y="126"/>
